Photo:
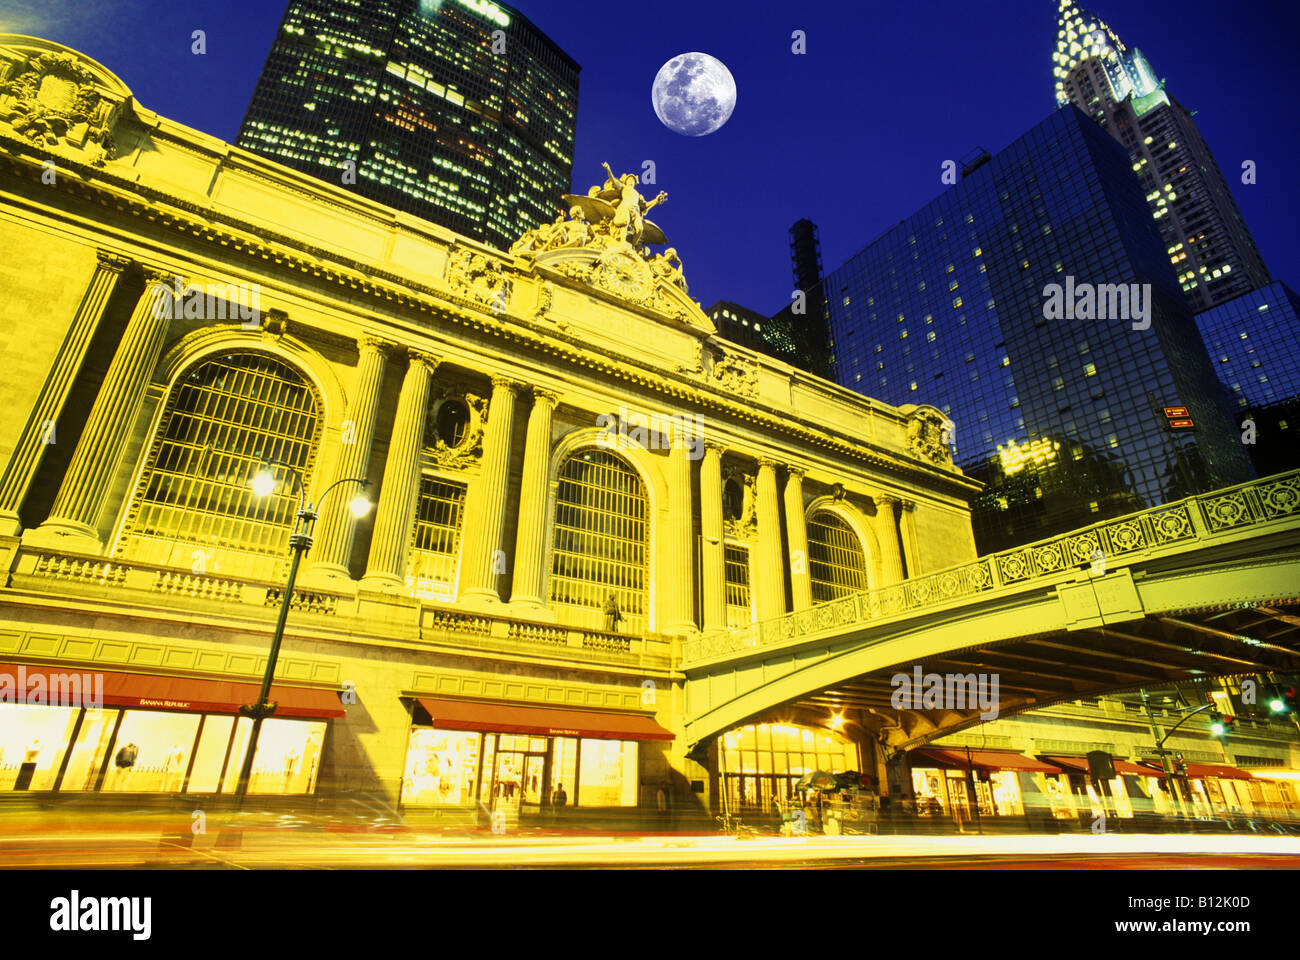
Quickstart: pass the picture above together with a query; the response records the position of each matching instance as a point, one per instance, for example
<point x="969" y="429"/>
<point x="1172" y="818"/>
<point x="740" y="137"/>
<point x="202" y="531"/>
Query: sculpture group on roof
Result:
<point x="608" y="215"/>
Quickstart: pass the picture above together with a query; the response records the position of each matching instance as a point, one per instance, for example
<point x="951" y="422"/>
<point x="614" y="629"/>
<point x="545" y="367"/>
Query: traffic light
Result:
<point x="1221" y="724"/>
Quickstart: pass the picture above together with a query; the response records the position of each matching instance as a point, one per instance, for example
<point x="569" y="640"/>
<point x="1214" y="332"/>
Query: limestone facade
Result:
<point x="379" y="324"/>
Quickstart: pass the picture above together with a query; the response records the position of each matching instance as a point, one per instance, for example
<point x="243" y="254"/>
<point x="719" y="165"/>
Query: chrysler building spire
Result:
<point x="1080" y="36"/>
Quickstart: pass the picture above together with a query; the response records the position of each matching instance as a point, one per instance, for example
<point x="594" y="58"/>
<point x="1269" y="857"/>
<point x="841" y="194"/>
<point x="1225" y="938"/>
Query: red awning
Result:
<point x="77" y="686"/>
<point x="1122" y="767"/>
<point x="1199" y="771"/>
<point x="955" y="759"/>
<point x="541" y="721"/>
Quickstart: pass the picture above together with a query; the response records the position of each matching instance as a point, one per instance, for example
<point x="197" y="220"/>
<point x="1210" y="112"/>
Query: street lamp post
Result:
<point x="299" y="542"/>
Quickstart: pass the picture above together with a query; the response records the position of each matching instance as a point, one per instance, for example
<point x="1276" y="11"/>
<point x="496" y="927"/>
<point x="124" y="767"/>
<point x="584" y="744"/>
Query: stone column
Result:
<point x="911" y="545"/>
<point x="485" y="507"/>
<point x="333" y="547"/>
<point x="74" y="519"/>
<point x="679" y="581"/>
<point x="530" y="539"/>
<point x="796" y="533"/>
<point x="23" y="463"/>
<point x="395" y="514"/>
<point x="769" y="571"/>
<point x="713" y="570"/>
<point x="886" y="527"/>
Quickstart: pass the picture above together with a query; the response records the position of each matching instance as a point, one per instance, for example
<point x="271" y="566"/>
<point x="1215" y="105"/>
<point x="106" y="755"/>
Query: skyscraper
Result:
<point x="458" y="111"/>
<point x="800" y="331"/>
<point x="1206" y="238"/>
<point x="1056" y="412"/>
<point x="1252" y="344"/>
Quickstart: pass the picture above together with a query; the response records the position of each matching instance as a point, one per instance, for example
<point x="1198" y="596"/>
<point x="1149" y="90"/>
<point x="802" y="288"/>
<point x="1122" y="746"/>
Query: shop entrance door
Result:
<point x="534" y="780"/>
<point x="519" y="779"/>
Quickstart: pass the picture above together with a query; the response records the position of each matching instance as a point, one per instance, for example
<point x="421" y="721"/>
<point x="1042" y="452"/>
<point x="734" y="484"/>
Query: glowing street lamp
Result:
<point x="263" y="483"/>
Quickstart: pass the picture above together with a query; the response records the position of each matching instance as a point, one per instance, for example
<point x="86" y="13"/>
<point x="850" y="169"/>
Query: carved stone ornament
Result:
<point x="470" y="449"/>
<point x="477" y="277"/>
<point x="52" y="99"/>
<point x="735" y="374"/>
<point x="746" y="526"/>
<point x="928" y="435"/>
<point x="695" y="364"/>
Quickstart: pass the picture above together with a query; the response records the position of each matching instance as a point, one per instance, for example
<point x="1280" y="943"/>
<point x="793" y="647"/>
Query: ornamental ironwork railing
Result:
<point x="1168" y="528"/>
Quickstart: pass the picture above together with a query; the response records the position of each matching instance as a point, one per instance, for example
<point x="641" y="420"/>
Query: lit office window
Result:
<point x="602" y="536"/>
<point x="836" y="563"/>
<point x="194" y="506"/>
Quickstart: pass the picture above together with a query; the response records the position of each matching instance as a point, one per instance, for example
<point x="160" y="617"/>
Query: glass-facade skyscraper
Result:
<point x="458" y="111"/>
<point x="1206" y="238"/>
<point x="1252" y="343"/>
<point x="1058" y="416"/>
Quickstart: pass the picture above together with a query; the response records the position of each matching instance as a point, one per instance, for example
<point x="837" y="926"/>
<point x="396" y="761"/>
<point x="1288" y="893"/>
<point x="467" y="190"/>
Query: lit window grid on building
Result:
<point x="1033" y="215"/>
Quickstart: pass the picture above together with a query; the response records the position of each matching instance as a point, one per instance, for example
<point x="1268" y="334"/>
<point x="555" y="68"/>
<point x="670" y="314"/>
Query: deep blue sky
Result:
<point x="851" y="135"/>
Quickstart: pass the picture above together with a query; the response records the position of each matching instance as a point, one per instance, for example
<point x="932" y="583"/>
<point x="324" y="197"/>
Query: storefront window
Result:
<point x="1057" y="788"/>
<point x="564" y="768"/>
<point x="607" y="773"/>
<point x="93" y="740"/>
<point x="288" y="757"/>
<point x="32" y="741"/>
<point x="151" y="752"/>
<point x="441" y="767"/>
<point x="931" y="795"/>
<point x="764" y="761"/>
<point x="214" y="741"/>
<point x="1006" y="793"/>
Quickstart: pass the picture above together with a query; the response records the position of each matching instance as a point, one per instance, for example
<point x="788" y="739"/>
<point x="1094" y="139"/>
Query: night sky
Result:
<point x="851" y="134"/>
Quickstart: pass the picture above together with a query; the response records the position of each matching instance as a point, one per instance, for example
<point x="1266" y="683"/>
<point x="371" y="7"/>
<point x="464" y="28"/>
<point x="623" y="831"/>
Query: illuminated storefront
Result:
<point x="1135" y="789"/>
<point x="942" y="778"/>
<point x="149" y="734"/>
<point x="762" y="762"/>
<point x="522" y="759"/>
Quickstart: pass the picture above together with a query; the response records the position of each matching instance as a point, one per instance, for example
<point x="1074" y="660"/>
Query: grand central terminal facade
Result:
<point x="570" y="472"/>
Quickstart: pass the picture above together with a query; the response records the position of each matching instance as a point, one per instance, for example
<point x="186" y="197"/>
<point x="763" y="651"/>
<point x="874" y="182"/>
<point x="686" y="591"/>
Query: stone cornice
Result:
<point x="110" y="189"/>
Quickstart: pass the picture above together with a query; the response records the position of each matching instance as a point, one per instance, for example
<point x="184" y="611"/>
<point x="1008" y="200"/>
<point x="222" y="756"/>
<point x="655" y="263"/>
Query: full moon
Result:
<point x="693" y="94"/>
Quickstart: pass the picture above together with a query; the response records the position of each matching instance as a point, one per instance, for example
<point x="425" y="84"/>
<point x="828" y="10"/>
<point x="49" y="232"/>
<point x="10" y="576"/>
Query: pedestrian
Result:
<point x="559" y="798"/>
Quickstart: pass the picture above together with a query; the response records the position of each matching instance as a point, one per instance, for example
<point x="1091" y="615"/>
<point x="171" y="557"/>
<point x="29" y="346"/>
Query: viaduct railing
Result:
<point x="1164" y="530"/>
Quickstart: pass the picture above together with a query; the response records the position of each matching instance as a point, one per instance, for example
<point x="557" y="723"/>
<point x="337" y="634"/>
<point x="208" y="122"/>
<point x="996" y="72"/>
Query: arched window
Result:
<point x="836" y="563"/>
<point x="193" y="506"/>
<point x="602" y="538"/>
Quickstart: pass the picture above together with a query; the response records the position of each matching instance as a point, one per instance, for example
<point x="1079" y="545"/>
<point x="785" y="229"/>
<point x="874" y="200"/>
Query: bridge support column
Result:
<point x="898" y="781"/>
<point x="891" y="558"/>
<point x="797" y="536"/>
<point x="769" y="572"/>
<point x="713" y="548"/>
